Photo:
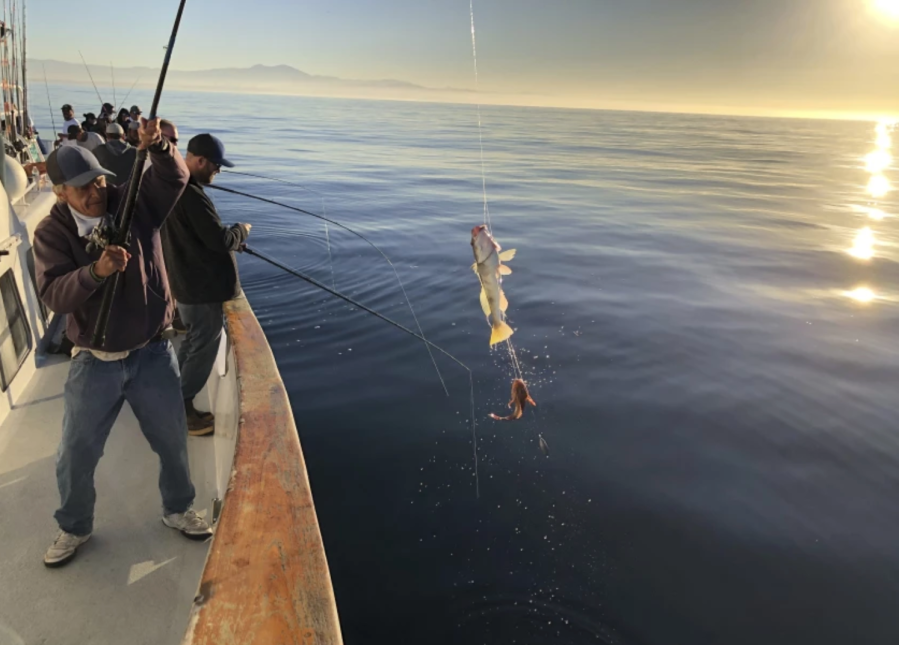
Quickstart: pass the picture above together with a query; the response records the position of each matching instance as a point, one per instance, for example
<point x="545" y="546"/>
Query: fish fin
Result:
<point x="501" y="331"/>
<point x="532" y="402"/>
<point x="503" y="302"/>
<point x="474" y="267"/>
<point x="485" y="305"/>
<point x="496" y="417"/>
<point x="504" y="270"/>
<point x="505" y="256"/>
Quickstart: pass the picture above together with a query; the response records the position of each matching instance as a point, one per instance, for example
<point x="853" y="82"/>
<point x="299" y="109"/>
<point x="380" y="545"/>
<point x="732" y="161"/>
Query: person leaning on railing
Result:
<point x="199" y="252"/>
<point x="136" y="364"/>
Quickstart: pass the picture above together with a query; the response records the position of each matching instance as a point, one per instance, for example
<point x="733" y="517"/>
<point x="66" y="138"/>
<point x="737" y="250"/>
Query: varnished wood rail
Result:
<point x="266" y="580"/>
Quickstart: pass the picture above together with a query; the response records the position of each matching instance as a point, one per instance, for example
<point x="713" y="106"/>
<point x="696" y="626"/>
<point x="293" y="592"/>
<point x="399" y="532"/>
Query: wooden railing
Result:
<point x="266" y="580"/>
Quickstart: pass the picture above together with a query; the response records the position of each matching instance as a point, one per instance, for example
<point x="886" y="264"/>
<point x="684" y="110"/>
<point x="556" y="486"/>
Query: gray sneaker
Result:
<point x="64" y="548"/>
<point x="189" y="523"/>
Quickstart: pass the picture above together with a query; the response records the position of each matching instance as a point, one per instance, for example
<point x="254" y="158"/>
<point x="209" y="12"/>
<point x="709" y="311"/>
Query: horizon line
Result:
<point x="653" y="107"/>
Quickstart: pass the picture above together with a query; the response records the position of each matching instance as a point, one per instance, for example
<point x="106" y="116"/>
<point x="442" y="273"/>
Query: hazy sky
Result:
<point x="728" y="55"/>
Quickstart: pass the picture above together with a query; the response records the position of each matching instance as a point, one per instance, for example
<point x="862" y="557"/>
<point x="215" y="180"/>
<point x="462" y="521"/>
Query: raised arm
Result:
<point x="165" y="180"/>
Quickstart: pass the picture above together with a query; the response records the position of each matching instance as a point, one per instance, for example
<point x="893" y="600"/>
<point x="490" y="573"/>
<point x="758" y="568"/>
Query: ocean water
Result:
<point x="705" y="311"/>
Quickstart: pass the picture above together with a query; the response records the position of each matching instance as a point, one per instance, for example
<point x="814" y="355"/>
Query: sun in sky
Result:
<point x="889" y="7"/>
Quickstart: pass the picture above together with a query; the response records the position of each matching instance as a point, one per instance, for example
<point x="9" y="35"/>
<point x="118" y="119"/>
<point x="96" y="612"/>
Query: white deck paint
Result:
<point x="134" y="581"/>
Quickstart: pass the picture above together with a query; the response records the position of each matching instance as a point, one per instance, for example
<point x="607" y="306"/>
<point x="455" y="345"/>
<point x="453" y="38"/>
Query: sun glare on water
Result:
<point x="861" y="294"/>
<point x="863" y="246"/>
<point x="878" y="186"/>
<point x="878" y="161"/>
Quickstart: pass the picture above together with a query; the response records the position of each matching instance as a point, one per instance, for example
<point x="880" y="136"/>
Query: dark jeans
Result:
<point x="197" y="353"/>
<point x="94" y="394"/>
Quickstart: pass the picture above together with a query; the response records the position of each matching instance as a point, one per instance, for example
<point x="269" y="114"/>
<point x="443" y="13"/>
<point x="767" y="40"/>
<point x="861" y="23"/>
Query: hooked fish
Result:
<point x="520" y="398"/>
<point x="489" y="258"/>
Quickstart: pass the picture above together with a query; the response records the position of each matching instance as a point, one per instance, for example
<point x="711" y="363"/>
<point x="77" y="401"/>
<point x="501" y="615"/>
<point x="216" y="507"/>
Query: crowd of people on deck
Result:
<point x="180" y="259"/>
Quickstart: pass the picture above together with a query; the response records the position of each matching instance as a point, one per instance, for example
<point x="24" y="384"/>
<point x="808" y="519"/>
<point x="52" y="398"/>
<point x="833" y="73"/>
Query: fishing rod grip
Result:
<point x="122" y="233"/>
<point x="112" y="282"/>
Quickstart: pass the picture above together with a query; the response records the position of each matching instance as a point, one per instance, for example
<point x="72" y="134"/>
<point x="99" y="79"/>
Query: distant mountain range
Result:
<point x="280" y="79"/>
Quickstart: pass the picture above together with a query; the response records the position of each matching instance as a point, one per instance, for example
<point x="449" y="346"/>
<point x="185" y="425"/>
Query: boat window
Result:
<point x="29" y="257"/>
<point x="15" y="336"/>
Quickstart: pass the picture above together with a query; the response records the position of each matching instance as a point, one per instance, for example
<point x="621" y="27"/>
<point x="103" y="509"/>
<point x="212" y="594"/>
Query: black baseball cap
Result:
<point x="66" y="107"/>
<point x="74" y="166"/>
<point x="135" y="108"/>
<point x="211" y="147"/>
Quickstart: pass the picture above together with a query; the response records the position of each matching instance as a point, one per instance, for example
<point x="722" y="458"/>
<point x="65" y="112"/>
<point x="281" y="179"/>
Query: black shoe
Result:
<point x="197" y="426"/>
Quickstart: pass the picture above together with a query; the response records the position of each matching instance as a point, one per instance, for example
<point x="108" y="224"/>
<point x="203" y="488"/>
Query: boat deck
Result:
<point x="135" y="580"/>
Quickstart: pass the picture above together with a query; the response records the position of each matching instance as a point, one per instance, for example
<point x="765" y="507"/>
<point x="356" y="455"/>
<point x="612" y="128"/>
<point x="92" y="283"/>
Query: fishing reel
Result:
<point x="101" y="237"/>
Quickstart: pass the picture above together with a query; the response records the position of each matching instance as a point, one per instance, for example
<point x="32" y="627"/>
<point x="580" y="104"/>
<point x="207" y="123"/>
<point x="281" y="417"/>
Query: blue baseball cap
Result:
<point x="206" y="145"/>
<point x="74" y="166"/>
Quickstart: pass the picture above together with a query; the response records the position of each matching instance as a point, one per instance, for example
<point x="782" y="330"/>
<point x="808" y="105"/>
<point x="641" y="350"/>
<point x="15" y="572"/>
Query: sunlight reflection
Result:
<point x="889" y="7"/>
<point x="863" y="246"/>
<point x="878" y="161"/>
<point x="878" y="186"/>
<point x="861" y="294"/>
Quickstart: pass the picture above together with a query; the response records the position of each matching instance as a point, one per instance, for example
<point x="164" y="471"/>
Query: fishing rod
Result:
<point x="122" y="232"/>
<point x="301" y="187"/>
<point x="125" y="100"/>
<point x="356" y="303"/>
<point x="361" y="237"/>
<point x="91" y="77"/>
<point x="280" y="181"/>
<point x="112" y="73"/>
<point x="50" y="103"/>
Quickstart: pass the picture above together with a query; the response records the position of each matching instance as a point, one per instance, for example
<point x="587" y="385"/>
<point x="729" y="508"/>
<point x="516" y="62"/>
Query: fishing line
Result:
<point x="91" y="77"/>
<point x="355" y="303"/>
<point x="310" y="190"/>
<point x="50" y="103"/>
<point x="360" y="236"/>
<point x="513" y="357"/>
<point x="474" y="56"/>
<point x="112" y="73"/>
<point x="125" y="100"/>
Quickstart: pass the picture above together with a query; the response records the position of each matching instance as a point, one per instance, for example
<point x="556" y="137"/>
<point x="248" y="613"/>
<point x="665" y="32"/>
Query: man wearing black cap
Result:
<point x="199" y="254"/>
<point x="90" y="122"/>
<point x="136" y="364"/>
<point x="135" y="113"/>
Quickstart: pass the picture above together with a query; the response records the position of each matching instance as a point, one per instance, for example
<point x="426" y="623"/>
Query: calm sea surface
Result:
<point x="719" y="401"/>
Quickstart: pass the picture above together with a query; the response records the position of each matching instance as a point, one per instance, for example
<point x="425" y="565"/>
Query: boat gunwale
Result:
<point x="266" y="578"/>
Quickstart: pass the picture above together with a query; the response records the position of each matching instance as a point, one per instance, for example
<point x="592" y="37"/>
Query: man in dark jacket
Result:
<point x="199" y="254"/>
<point x="116" y="155"/>
<point x="136" y="364"/>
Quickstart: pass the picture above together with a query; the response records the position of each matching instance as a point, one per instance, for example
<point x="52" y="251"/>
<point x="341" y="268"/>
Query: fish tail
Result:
<point x="501" y="331"/>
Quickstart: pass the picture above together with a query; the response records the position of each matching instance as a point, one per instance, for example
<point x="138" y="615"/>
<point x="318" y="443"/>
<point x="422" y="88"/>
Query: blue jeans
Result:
<point x="94" y="394"/>
<point x="197" y="353"/>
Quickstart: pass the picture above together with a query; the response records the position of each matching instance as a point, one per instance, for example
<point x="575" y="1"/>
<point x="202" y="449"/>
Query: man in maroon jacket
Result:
<point x="136" y="364"/>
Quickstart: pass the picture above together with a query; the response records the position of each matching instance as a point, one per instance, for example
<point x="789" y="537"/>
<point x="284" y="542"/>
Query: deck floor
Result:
<point x="134" y="581"/>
